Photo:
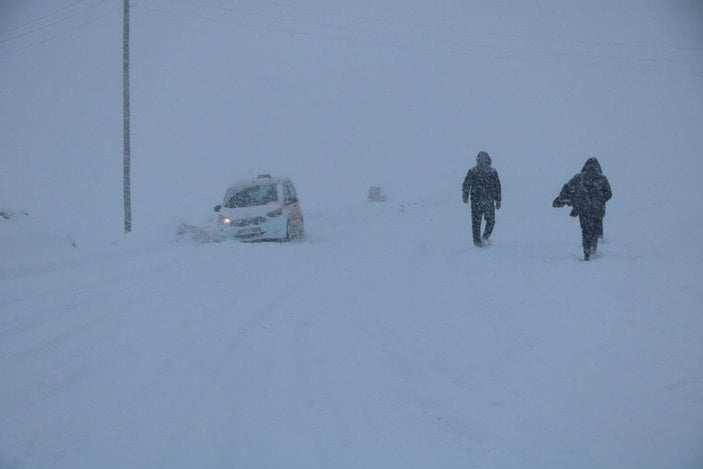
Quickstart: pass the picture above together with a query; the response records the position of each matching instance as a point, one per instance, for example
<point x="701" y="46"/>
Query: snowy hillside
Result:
<point x="384" y="339"/>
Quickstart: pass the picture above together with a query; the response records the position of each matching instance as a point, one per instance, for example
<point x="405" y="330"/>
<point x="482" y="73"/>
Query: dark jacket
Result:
<point x="481" y="182"/>
<point x="587" y="192"/>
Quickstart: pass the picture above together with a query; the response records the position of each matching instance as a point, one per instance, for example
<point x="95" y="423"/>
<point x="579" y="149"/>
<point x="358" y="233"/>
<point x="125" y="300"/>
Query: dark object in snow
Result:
<point x="587" y="192"/>
<point x="10" y="214"/>
<point x="558" y="203"/>
<point x="375" y="194"/>
<point x="482" y="186"/>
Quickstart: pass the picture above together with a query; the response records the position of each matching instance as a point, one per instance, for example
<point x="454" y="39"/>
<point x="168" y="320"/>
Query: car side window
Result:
<point x="289" y="192"/>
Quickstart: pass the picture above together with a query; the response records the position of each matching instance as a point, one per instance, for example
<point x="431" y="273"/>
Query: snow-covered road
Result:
<point x="383" y="340"/>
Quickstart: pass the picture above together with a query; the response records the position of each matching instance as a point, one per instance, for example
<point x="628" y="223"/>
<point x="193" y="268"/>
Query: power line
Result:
<point x="60" y="20"/>
<point x="20" y="26"/>
<point x="437" y="41"/>
<point x="63" y="33"/>
<point x="446" y="28"/>
<point x="401" y="46"/>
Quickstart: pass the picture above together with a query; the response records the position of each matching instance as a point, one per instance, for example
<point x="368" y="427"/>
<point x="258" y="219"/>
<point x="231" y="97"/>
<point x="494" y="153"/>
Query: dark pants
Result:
<point x="591" y="229"/>
<point x="479" y="210"/>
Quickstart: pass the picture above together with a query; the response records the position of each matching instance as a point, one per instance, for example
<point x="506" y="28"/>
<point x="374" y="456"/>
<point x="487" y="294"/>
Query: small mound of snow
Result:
<point x="22" y="235"/>
<point x="195" y="234"/>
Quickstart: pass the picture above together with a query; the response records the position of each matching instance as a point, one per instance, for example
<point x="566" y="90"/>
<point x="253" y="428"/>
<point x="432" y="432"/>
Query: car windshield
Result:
<point x="252" y="196"/>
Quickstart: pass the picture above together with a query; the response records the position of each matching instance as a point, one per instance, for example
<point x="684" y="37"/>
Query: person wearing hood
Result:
<point x="587" y="192"/>
<point x="482" y="186"/>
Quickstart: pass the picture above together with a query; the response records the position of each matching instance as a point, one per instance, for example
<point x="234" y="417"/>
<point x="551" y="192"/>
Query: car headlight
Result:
<point x="276" y="213"/>
<point x="226" y="221"/>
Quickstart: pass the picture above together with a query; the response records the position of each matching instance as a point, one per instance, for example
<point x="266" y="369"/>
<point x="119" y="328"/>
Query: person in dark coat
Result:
<point x="587" y="192"/>
<point x="482" y="186"/>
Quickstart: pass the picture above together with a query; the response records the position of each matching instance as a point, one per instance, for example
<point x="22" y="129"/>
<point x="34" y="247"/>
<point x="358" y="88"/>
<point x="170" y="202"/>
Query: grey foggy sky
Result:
<point x="340" y="95"/>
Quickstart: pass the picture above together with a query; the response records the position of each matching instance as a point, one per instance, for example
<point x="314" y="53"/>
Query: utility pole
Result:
<point x="125" y="123"/>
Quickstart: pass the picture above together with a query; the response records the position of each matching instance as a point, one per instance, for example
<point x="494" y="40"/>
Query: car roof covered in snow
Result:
<point x="258" y="180"/>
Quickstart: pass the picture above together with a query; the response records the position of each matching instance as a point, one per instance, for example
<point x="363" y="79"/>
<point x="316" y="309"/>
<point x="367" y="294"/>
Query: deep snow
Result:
<point x="385" y="339"/>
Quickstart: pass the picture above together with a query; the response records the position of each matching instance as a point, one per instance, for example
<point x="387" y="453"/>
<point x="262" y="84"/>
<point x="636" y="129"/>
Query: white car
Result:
<point x="264" y="208"/>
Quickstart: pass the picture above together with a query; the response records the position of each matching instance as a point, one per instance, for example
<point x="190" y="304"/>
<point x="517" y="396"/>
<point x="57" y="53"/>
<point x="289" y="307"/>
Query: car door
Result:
<point x="292" y="204"/>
